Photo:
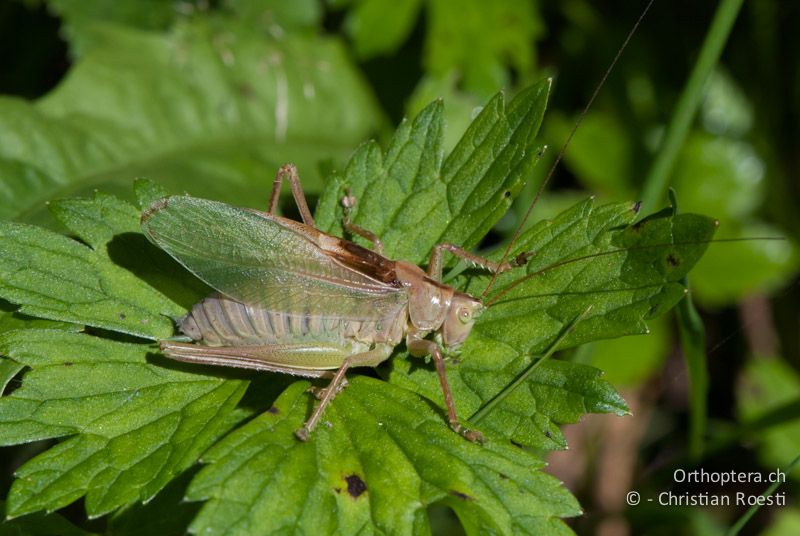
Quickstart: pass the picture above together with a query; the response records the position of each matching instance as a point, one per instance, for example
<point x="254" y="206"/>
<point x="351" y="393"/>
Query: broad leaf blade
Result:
<point x="380" y="26"/>
<point x="388" y="452"/>
<point x="218" y="106"/>
<point x="479" y="41"/>
<point x="413" y="198"/>
<point x="384" y="458"/>
<point x="39" y="525"/>
<point x="166" y="515"/>
<point x="595" y="257"/>
<point x="52" y="276"/>
<point x="81" y="17"/>
<point x="556" y="393"/>
<point x="489" y="166"/>
<point x="8" y="371"/>
<point x="133" y="425"/>
<point x="585" y="257"/>
<point x="55" y="277"/>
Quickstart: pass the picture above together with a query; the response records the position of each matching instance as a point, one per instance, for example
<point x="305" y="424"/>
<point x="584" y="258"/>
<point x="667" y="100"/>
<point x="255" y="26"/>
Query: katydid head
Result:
<point x="460" y="317"/>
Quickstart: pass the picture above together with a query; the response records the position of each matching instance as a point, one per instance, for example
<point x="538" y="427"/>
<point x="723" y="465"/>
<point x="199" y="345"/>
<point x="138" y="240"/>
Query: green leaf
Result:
<point x="459" y="198"/>
<point x="148" y="192"/>
<point x="723" y="176"/>
<point x="11" y="319"/>
<point x="277" y="16"/>
<point x="55" y="277"/>
<point x="556" y="393"/>
<point x="213" y="104"/>
<point x="481" y="41"/>
<point x="8" y="370"/>
<point x="635" y="273"/>
<point x="111" y="227"/>
<point x="380" y="26"/>
<point x="630" y="361"/>
<point x="81" y="16"/>
<point x="168" y="514"/>
<point x="769" y="383"/>
<point x="131" y="426"/>
<point x="761" y="265"/>
<point x="388" y="451"/>
<point x="600" y="154"/>
<point x="727" y="177"/>
<point x="460" y="110"/>
<point x="382" y="460"/>
<point x="39" y="525"/>
<point x="626" y="273"/>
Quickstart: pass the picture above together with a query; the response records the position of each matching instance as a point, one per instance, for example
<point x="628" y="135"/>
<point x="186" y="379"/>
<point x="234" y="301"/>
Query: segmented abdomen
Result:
<point x="221" y="321"/>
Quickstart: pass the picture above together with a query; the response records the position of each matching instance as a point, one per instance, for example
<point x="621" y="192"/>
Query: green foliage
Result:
<point x="770" y="385"/>
<point x="8" y="370"/>
<point x="55" y="277"/>
<point x="600" y="154"/>
<point x="81" y="16"/>
<point x="167" y="514"/>
<point x="132" y="425"/>
<point x="718" y="171"/>
<point x="384" y="455"/>
<point x="214" y="103"/>
<point x="39" y="525"/>
<point x="480" y="41"/>
<point x="459" y="197"/>
<point x="628" y="361"/>
<point x="131" y="421"/>
<point x="211" y="97"/>
<point x="638" y="280"/>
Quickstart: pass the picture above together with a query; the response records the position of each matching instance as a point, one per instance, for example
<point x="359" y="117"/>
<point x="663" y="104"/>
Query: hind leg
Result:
<point x="339" y="382"/>
<point x="289" y="172"/>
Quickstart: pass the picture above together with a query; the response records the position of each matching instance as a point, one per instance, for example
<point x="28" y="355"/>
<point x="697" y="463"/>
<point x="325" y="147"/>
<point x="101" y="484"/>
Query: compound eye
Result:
<point x="464" y="314"/>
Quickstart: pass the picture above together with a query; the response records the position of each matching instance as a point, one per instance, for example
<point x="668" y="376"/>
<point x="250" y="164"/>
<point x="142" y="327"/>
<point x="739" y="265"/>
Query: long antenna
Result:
<point x="567" y="142"/>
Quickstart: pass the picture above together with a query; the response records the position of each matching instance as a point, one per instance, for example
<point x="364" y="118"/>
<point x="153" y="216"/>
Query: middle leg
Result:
<point x="370" y="358"/>
<point x="348" y="202"/>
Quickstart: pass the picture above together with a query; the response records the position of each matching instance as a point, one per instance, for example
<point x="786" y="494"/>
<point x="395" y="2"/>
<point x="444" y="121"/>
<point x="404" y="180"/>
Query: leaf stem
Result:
<point x="693" y="344"/>
<point x="656" y="182"/>
<point x="508" y="389"/>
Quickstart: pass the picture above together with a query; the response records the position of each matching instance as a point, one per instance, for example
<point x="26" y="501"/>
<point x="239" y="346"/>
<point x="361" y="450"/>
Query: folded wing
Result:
<point x="273" y="262"/>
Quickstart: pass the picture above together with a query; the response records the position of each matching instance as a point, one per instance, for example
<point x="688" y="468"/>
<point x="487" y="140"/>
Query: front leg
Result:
<point x="435" y="263"/>
<point x="336" y="385"/>
<point x="422" y="347"/>
<point x="370" y="358"/>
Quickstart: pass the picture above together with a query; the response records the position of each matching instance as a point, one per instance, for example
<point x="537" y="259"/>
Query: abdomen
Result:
<point x="220" y="321"/>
